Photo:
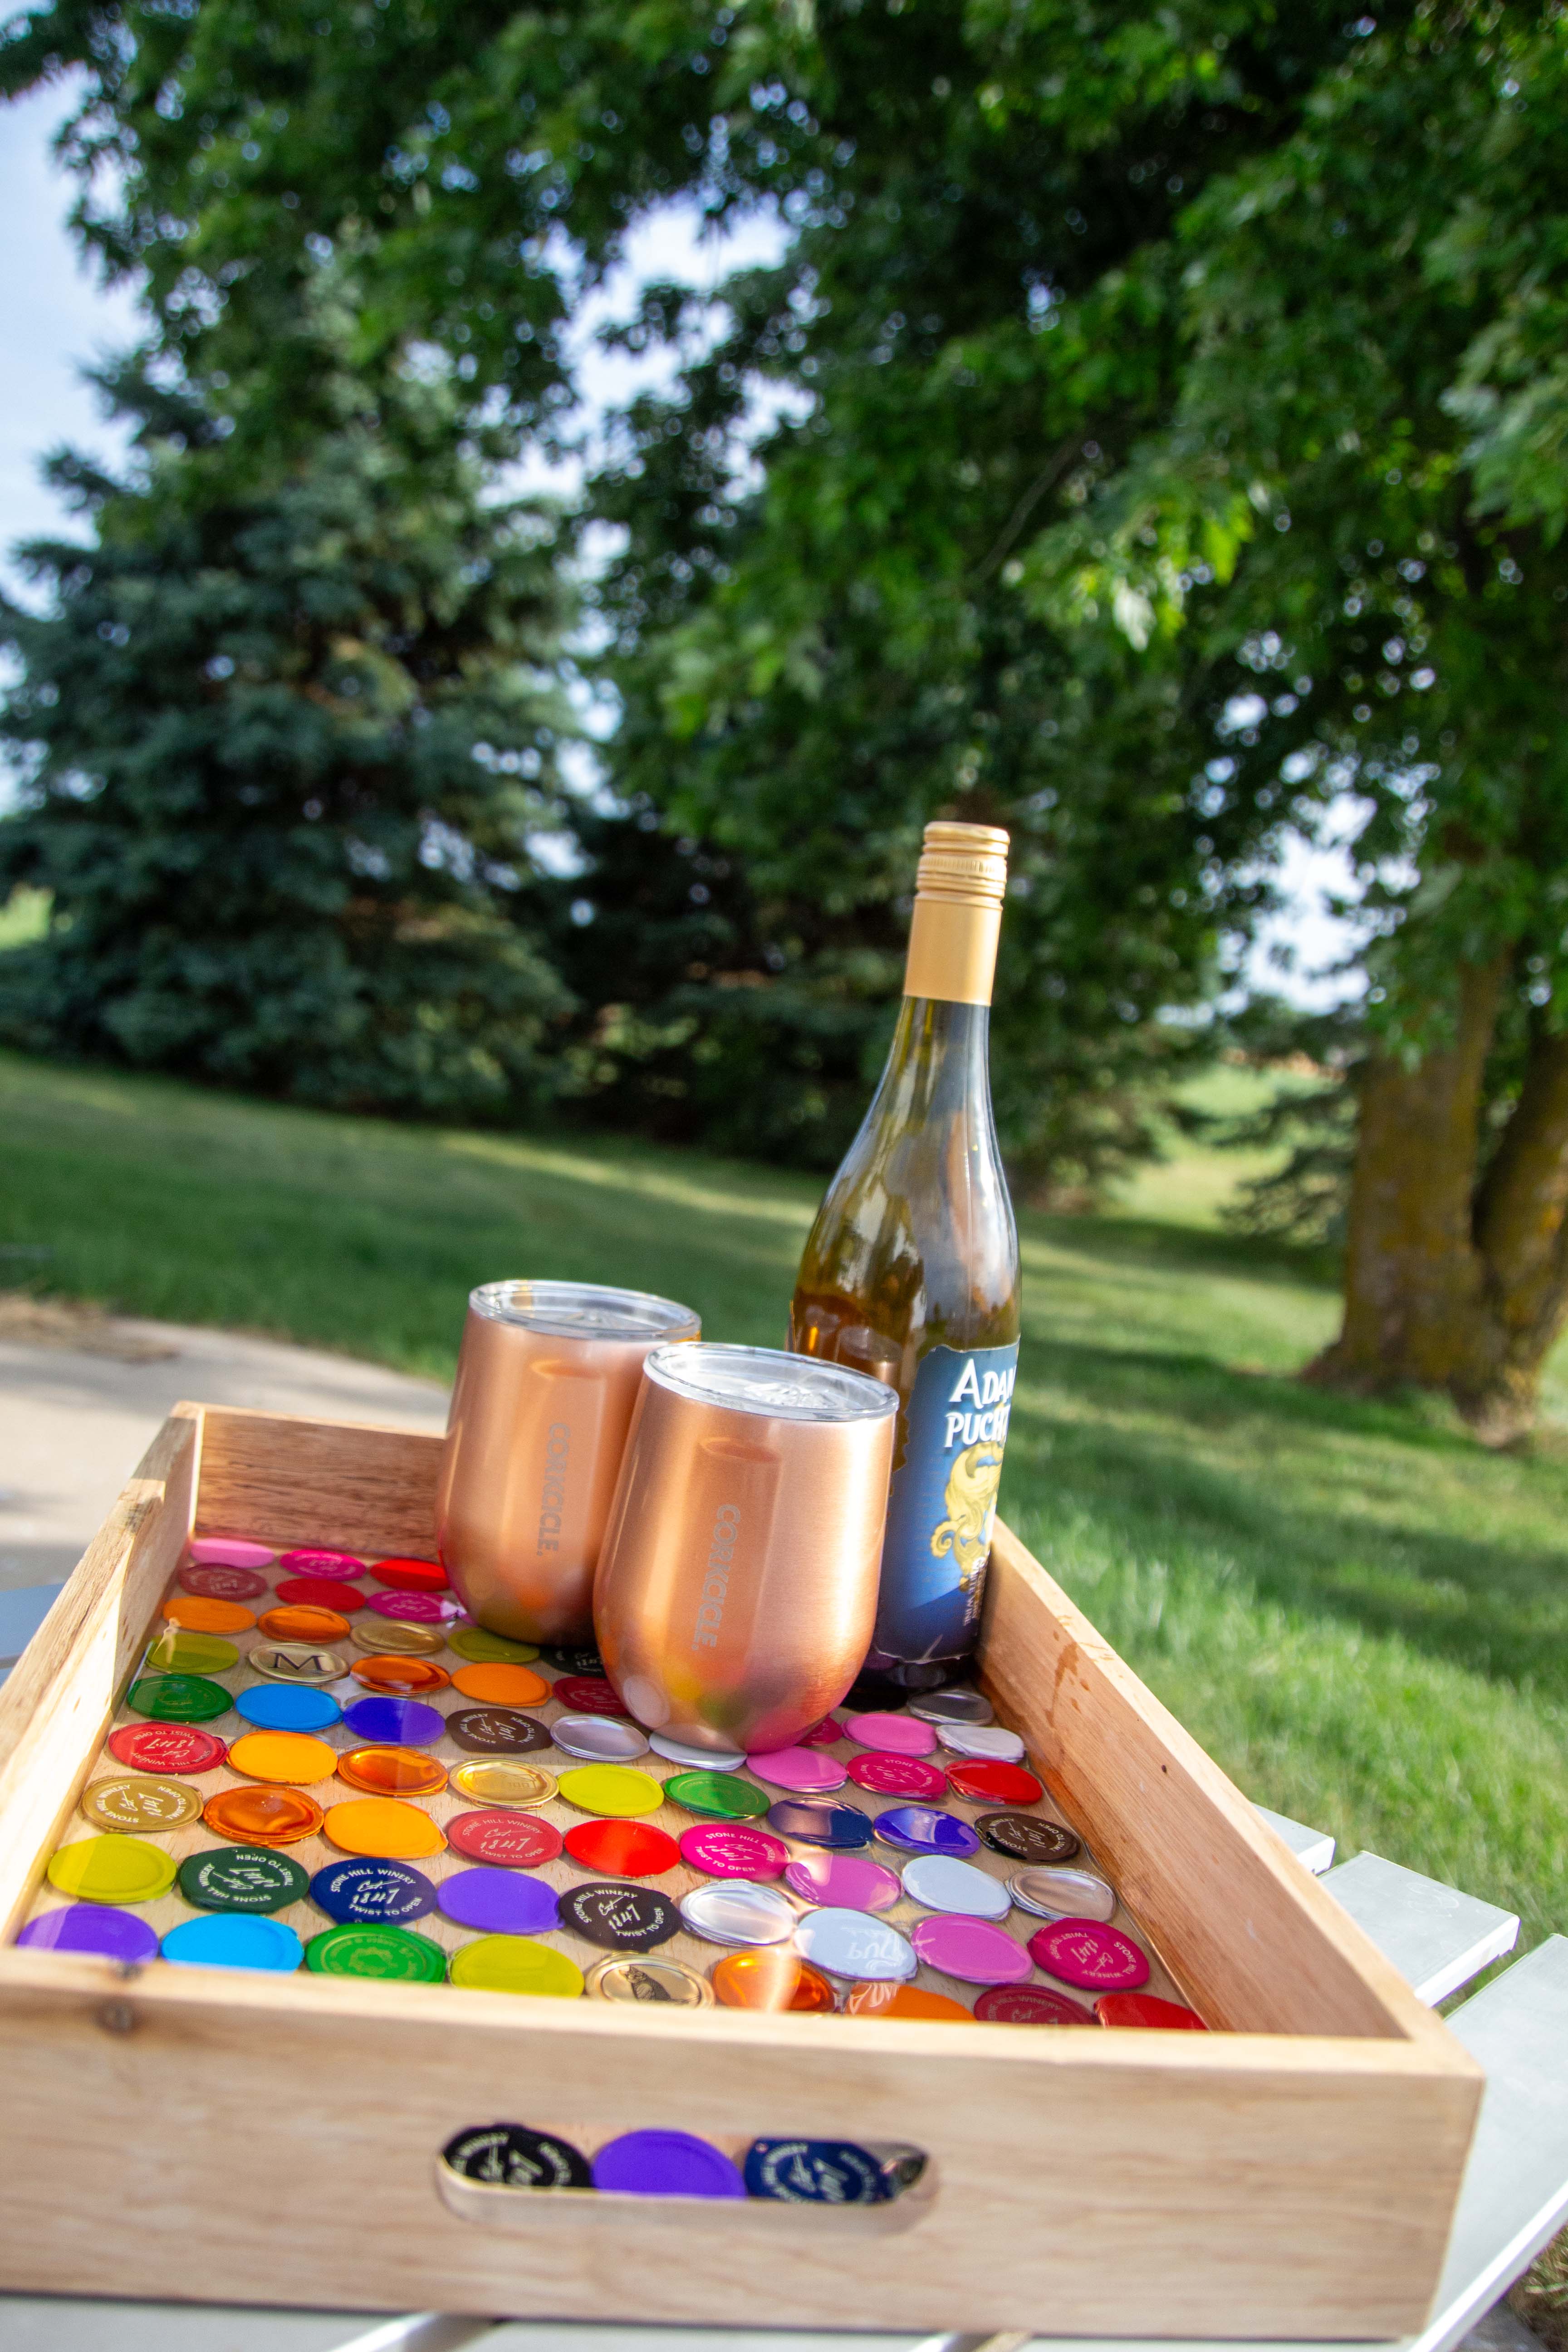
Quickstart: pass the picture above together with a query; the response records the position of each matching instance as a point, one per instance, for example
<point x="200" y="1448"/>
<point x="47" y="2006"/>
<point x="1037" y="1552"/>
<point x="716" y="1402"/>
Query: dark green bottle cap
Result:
<point x="180" y="1699"/>
<point x="717" y="1796"/>
<point x="387" y="1952"/>
<point x="242" y="1878"/>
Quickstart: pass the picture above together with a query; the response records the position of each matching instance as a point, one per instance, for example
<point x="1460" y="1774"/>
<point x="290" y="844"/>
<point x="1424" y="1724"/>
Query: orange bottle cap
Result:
<point x="383" y="1828"/>
<point x="904" y="2001"/>
<point x="284" y="1756"/>
<point x="402" y="1675"/>
<point x="297" y="1622"/>
<point x="501" y="1686"/>
<point x="197" y="1614"/>
<point x="771" y="1979"/>
<point x="263" y="1816"/>
<point x="391" y="1772"/>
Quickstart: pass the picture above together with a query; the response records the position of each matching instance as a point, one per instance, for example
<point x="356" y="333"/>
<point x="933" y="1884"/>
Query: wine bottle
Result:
<point x="911" y="1271"/>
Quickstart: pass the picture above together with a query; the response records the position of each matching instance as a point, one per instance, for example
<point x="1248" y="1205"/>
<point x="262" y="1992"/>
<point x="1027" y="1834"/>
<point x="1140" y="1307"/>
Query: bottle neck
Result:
<point x="939" y="1059"/>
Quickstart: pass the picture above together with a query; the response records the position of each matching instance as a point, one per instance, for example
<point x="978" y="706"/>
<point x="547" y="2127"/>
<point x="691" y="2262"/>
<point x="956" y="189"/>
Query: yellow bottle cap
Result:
<point x="178" y="1651"/>
<point x="515" y="1964"/>
<point x="111" y="1869"/>
<point x="288" y="1757"/>
<point x="383" y="1828"/>
<point x="616" y="1789"/>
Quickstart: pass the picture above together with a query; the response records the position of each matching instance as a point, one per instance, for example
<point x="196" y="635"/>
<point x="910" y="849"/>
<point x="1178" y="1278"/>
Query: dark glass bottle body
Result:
<point x="911" y="1273"/>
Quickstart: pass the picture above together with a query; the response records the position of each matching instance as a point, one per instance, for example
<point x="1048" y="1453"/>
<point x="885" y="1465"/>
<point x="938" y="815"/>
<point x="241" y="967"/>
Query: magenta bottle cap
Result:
<point x="498" y="1902"/>
<point x="971" y="1949"/>
<point x="846" y="1881"/>
<point x="1084" y="1952"/>
<point x="317" y="1559"/>
<point x="807" y="1772"/>
<point x="733" y="1849"/>
<point x="1028" y="2005"/>
<point x="666" y="2163"/>
<point x="898" y="1776"/>
<point x="892" y="1735"/>
<point x="93" y="1927"/>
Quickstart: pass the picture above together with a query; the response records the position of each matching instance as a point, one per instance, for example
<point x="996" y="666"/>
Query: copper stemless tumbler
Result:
<point x="547" y="1380"/>
<point x="737" y="1586"/>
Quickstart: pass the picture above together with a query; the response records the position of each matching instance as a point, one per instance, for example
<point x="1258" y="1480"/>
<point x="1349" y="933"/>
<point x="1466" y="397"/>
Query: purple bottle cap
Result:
<point x="733" y="1849"/>
<point x="91" y="1927"/>
<point x="846" y="1882"/>
<point x="500" y="1902"/>
<point x="807" y="1772"/>
<point x="971" y="1949"/>
<point x="1085" y="1952"/>
<point x="395" y="1722"/>
<point x="666" y="2163"/>
<point x="415" y="1608"/>
<point x="892" y="1735"/>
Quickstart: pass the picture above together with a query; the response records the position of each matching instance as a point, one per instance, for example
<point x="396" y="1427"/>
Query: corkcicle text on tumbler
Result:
<point x="737" y="1587"/>
<point x="911" y="1271"/>
<point x="547" y="1380"/>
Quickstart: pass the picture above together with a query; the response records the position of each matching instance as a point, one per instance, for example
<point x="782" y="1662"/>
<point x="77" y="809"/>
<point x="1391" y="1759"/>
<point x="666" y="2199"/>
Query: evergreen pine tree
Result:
<point x="285" y="737"/>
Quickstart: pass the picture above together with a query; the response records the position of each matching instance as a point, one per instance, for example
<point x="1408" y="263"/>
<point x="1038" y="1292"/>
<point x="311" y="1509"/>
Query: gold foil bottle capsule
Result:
<point x="661" y="1984"/>
<point x="297" y="1662"/>
<point x="496" y="1780"/>
<point x="390" y="1636"/>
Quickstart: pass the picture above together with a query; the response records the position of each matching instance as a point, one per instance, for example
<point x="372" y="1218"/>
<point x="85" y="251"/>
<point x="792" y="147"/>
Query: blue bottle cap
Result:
<point x="395" y="1722"/>
<point x="372" y="1893"/>
<point x="815" y="2172"/>
<point x="666" y="2163"/>
<point x="228" y="1939"/>
<point x="287" y="1706"/>
<point x="916" y="1829"/>
<point x="842" y="1829"/>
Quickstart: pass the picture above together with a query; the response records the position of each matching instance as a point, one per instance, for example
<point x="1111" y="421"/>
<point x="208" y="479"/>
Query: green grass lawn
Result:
<point x="1361" y="1615"/>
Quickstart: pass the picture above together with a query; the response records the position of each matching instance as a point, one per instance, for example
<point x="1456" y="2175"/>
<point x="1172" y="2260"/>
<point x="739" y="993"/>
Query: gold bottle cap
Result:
<point x="959" y="891"/>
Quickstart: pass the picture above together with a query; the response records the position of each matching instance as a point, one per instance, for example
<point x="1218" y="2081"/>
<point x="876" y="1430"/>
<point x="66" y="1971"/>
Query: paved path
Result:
<point x="81" y="1395"/>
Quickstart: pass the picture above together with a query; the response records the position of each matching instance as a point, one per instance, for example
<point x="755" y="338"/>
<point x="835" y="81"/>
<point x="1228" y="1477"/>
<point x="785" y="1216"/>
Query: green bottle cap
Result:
<point x="242" y="1878"/>
<point x="374" y="1951"/>
<point x="483" y="1648"/>
<point x="180" y="1699"/>
<point x="177" y="1651"/>
<point x="716" y="1796"/>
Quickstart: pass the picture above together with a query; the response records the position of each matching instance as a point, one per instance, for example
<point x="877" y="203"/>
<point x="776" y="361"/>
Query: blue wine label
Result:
<point x="941" y="1505"/>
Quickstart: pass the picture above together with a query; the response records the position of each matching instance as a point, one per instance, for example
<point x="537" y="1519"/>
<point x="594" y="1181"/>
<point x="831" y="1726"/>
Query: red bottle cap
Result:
<point x="166" y="1747"/>
<point x="622" y="1849"/>
<point x="320" y="1593"/>
<point x="1028" y="2005"/>
<point x="1147" y="2009"/>
<point x="994" y="1784"/>
<point x="411" y="1575"/>
<point x="509" y="1841"/>
<point x="588" y="1694"/>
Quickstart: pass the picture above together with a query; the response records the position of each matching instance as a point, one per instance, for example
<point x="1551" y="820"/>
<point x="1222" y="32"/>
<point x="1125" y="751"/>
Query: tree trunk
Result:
<point x="1447" y="1287"/>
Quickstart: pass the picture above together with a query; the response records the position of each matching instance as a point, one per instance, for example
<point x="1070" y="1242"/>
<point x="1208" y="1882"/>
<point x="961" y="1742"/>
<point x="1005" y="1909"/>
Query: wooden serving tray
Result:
<point x="1293" y="2173"/>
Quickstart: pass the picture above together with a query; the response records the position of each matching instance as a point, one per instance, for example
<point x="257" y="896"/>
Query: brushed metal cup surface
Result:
<point x="736" y="1590"/>
<point x="547" y="1380"/>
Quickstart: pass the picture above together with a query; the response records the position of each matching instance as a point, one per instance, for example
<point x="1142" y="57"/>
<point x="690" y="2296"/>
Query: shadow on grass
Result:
<point x="1185" y="1249"/>
<point x="1286" y="1510"/>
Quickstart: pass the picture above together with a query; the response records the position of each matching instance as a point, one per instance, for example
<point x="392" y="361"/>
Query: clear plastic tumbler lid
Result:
<point x="583" y="1311"/>
<point x="769" y="1380"/>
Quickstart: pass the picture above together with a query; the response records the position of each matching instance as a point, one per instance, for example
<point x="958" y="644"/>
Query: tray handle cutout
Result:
<point x="514" y="2177"/>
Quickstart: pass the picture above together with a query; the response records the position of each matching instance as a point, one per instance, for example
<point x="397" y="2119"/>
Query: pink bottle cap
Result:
<point x="229" y="1551"/>
<point x="898" y="1776"/>
<point x="808" y="1771"/>
<point x="211" y="1580"/>
<point x="892" y="1735"/>
<point x="970" y="1949"/>
<point x="846" y="1882"/>
<point x="1083" y="1952"/>
<point x="414" y="1608"/>
<point x="732" y="1849"/>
